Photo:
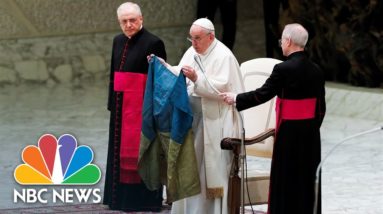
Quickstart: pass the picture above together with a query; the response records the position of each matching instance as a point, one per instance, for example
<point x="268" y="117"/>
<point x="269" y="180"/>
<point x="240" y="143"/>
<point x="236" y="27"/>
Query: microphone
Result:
<point x="199" y="63"/>
<point x="316" y="185"/>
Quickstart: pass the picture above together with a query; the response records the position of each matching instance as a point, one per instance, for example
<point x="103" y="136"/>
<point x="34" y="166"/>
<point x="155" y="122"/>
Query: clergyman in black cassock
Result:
<point x="124" y="189"/>
<point x="300" y="108"/>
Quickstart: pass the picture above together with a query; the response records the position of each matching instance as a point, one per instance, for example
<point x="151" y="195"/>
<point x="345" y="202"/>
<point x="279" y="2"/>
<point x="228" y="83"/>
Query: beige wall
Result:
<point x="69" y="41"/>
<point x="37" y="18"/>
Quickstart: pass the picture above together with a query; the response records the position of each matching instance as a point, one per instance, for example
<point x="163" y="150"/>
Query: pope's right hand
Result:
<point x="229" y="97"/>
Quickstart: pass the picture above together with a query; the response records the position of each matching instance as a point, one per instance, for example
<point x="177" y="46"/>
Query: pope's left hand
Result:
<point x="190" y="73"/>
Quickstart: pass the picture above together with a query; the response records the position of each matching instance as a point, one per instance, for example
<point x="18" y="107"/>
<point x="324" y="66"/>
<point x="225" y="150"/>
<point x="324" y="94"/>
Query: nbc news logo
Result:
<point x="57" y="162"/>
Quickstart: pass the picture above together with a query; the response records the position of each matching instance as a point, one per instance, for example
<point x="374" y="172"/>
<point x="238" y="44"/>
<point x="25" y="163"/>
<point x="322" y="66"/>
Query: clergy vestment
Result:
<point x="124" y="189"/>
<point x="213" y="120"/>
<point x="300" y="108"/>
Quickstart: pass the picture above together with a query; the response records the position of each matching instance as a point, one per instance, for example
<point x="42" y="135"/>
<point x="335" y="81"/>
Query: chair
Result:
<point x="258" y="122"/>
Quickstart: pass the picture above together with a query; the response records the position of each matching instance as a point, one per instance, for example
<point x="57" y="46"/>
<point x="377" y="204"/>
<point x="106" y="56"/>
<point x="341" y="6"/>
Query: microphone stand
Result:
<point x="316" y="184"/>
<point x="199" y="63"/>
<point x="242" y="156"/>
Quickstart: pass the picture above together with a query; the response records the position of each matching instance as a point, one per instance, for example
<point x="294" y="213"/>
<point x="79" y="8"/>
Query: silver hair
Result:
<point x="128" y="6"/>
<point x="207" y="30"/>
<point x="297" y="33"/>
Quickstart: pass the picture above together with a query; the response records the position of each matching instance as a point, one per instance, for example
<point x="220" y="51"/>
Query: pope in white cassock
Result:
<point x="212" y="119"/>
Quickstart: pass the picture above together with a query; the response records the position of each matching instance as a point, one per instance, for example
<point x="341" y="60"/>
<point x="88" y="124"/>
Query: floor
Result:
<point x="352" y="175"/>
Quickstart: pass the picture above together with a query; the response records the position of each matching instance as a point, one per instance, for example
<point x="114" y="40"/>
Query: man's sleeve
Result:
<point x="158" y="49"/>
<point x="111" y="80"/>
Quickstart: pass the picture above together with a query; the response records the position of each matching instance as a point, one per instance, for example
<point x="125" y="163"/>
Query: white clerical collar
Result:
<point x="136" y="32"/>
<point x="209" y="49"/>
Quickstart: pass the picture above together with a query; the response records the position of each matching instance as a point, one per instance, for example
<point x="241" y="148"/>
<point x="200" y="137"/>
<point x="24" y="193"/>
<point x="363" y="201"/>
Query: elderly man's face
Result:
<point x="130" y="22"/>
<point x="200" y="39"/>
<point x="285" y="44"/>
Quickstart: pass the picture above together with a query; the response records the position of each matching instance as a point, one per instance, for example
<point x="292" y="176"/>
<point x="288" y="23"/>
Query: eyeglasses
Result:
<point x="197" y="38"/>
<point x="126" y="21"/>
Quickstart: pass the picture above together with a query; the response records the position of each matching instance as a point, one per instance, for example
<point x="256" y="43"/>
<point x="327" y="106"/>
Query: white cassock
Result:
<point x="213" y="120"/>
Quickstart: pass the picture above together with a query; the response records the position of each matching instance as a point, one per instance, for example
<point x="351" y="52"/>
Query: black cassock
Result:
<point x="299" y="86"/>
<point x="124" y="189"/>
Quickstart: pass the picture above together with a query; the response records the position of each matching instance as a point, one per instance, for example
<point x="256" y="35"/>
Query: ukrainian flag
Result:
<point x="167" y="155"/>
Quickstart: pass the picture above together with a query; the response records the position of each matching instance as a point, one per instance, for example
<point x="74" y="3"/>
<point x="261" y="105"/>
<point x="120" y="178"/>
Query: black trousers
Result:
<point x="271" y="20"/>
<point x="228" y="9"/>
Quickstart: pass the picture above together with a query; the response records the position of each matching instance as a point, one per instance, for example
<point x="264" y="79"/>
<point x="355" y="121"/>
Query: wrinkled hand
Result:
<point x="228" y="97"/>
<point x="149" y="57"/>
<point x="190" y="73"/>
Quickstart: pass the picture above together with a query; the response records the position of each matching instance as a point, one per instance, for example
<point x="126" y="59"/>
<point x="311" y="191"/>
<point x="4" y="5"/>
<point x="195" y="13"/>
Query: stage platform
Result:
<point x="352" y="175"/>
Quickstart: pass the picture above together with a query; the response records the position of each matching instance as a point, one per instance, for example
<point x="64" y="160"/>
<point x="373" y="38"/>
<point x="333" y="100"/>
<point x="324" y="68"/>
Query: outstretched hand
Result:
<point x="149" y="57"/>
<point x="228" y="97"/>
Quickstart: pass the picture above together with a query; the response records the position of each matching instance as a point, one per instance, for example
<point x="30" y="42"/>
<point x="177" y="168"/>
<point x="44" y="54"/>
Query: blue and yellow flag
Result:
<point x="167" y="155"/>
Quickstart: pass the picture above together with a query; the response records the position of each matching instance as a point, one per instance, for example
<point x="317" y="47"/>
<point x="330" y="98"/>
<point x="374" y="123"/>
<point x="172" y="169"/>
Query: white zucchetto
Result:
<point x="205" y="23"/>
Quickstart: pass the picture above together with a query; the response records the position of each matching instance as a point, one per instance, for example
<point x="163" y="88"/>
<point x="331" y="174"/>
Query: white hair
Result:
<point x="128" y="6"/>
<point x="297" y="33"/>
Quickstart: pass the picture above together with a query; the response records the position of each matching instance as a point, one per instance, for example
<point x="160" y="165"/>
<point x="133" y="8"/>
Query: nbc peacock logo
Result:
<point x="57" y="162"/>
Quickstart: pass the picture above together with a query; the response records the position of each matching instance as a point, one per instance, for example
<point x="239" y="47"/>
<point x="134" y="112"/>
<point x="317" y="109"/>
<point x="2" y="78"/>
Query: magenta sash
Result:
<point x="287" y="109"/>
<point x="133" y="87"/>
